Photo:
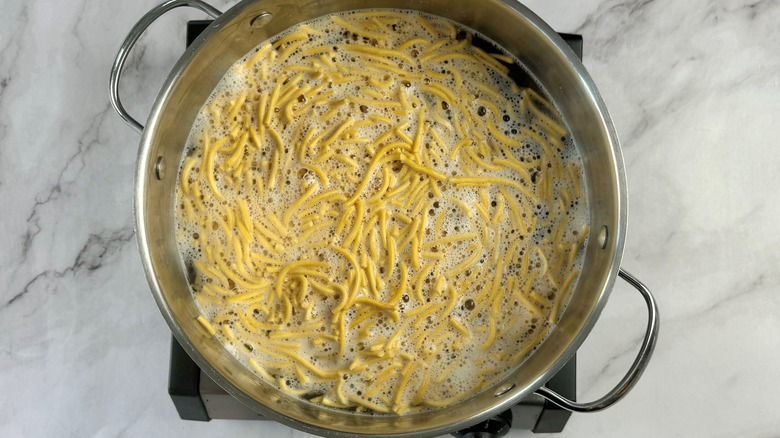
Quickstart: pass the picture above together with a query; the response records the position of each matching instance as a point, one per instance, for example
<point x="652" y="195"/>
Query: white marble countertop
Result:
<point x="693" y="88"/>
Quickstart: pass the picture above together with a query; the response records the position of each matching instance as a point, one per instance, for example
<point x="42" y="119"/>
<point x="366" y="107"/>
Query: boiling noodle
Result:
<point x="375" y="217"/>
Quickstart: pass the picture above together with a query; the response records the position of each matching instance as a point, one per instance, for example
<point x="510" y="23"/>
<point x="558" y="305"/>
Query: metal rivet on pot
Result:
<point x="603" y="235"/>
<point x="261" y="20"/>
<point x="159" y="168"/>
<point x="504" y="389"/>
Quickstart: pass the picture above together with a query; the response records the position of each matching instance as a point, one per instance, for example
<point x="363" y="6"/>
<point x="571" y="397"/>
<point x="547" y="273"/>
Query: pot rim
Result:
<point x="142" y="178"/>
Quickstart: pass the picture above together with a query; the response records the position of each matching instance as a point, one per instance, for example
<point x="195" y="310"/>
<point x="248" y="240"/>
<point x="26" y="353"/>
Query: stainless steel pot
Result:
<point x="506" y="22"/>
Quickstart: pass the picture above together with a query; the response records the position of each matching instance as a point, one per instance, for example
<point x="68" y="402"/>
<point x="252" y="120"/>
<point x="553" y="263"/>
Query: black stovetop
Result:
<point x="198" y="398"/>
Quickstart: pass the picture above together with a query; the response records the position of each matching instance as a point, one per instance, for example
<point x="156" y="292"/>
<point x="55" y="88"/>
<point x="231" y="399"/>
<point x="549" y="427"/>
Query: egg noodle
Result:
<point x="375" y="217"/>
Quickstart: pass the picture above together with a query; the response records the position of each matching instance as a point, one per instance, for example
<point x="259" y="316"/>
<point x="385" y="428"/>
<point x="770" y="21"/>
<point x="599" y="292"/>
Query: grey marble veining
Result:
<point x="693" y="88"/>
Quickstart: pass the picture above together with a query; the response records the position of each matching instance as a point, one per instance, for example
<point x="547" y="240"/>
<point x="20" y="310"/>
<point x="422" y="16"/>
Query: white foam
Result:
<point x="461" y="379"/>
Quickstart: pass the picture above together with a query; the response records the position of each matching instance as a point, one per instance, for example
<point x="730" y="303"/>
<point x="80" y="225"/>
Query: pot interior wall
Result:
<point x="230" y="37"/>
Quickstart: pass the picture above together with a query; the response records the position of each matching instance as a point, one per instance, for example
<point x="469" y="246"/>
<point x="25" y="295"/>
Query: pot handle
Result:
<point x="135" y="33"/>
<point x="637" y="368"/>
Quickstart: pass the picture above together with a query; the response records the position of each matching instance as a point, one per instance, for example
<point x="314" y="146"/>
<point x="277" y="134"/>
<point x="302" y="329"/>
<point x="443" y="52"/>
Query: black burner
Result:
<point x="198" y="398"/>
